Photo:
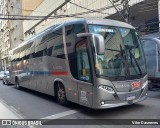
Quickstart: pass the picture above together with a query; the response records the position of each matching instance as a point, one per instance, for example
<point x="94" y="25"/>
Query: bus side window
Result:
<point x="70" y="38"/>
<point x="49" y="51"/>
<point x="32" y="52"/>
<point x="149" y="47"/>
<point x="45" y="52"/>
<point x="32" y="55"/>
<point x="56" y="47"/>
<point x="39" y="54"/>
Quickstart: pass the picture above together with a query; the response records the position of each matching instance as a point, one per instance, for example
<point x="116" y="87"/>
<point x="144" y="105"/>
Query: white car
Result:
<point x="6" y="78"/>
<point x="2" y="73"/>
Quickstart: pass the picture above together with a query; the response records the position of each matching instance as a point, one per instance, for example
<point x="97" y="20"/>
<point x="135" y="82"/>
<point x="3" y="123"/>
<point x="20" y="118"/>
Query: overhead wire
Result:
<point x="96" y="10"/>
<point x="86" y="8"/>
<point x="76" y="15"/>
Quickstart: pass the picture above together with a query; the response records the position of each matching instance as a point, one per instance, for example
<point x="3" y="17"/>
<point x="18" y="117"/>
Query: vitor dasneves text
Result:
<point x="144" y="123"/>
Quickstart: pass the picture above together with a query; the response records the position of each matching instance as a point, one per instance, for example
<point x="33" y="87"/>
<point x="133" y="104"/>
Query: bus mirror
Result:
<point x="98" y="40"/>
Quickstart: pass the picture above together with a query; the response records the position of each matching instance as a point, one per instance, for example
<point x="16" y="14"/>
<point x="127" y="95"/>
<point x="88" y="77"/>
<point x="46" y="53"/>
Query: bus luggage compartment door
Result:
<point x="85" y="94"/>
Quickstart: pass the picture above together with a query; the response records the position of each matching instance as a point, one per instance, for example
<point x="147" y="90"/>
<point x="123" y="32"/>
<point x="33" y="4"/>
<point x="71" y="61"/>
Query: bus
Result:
<point x="151" y="46"/>
<point x="97" y="63"/>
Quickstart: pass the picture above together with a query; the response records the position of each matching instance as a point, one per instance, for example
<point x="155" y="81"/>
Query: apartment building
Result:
<point x="4" y="35"/>
<point x="16" y="26"/>
<point x="11" y="31"/>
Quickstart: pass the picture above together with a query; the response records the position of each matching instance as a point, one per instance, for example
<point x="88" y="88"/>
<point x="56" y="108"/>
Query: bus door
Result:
<point x="78" y="59"/>
<point x="85" y="87"/>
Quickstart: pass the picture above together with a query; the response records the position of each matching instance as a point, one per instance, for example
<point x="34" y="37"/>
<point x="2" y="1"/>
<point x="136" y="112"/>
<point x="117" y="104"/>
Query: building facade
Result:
<point x="72" y="9"/>
<point x="5" y="43"/>
<point x="16" y="26"/>
<point x="11" y="30"/>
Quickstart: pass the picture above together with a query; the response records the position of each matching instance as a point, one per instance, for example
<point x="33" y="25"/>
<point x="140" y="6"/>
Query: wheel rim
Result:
<point x="61" y="94"/>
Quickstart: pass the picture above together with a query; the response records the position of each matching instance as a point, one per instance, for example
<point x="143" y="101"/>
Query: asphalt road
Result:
<point x="34" y="105"/>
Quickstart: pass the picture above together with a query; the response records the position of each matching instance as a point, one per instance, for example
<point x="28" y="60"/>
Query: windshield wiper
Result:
<point x="124" y="59"/>
<point x="133" y="57"/>
<point x="112" y="49"/>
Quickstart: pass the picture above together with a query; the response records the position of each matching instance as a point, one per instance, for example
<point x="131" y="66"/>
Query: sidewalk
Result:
<point x="6" y="113"/>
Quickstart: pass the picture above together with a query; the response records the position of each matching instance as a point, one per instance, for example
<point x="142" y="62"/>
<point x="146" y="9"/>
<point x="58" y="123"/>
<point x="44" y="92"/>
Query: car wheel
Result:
<point x="6" y="83"/>
<point x="17" y="84"/>
<point x="61" y="95"/>
<point x="3" y="82"/>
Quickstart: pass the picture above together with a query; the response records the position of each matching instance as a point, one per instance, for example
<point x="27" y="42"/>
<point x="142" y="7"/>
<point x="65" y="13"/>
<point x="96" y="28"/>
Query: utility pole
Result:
<point x="126" y="9"/>
<point x="115" y="1"/>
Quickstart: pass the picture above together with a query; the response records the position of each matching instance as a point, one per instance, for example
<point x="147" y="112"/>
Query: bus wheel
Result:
<point x="61" y="94"/>
<point x="17" y="84"/>
<point x="150" y="86"/>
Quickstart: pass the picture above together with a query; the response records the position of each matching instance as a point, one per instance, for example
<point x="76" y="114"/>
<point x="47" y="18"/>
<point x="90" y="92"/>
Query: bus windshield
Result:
<point x="123" y="55"/>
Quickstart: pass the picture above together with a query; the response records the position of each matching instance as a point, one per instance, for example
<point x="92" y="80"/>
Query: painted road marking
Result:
<point x="62" y="114"/>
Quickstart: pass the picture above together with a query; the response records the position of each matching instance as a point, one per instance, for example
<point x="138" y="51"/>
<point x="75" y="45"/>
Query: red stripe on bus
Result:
<point x="60" y="73"/>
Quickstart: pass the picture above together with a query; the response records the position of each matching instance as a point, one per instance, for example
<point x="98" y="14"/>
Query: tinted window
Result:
<point x="149" y="47"/>
<point x="40" y="49"/>
<point x="26" y="57"/>
<point x="39" y="54"/>
<point x="77" y="49"/>
<point x="123" y="54"/>
<point x="55" y="47"/>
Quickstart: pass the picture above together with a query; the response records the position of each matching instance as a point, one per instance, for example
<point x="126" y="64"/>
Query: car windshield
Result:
<point x="123" y="53"/>
<point x="2" y="72"/>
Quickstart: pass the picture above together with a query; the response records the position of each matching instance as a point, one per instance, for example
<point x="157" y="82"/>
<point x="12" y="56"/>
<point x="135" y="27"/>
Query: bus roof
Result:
<point x="95" y="21"/>
<point x="37" y="35"/>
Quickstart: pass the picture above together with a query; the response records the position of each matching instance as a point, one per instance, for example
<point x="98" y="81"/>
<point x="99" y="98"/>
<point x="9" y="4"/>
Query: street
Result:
<point x="28" y="104"/>
<point x="99" y="54"/>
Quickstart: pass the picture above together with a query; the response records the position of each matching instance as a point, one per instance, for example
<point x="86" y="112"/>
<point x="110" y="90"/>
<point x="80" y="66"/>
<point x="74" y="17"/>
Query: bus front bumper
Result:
<point x="119" y="99"/>
<point x="123" y="103"/>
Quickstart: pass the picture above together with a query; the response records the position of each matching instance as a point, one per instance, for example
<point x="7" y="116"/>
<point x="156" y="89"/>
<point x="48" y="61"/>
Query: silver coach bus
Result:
<point x="151" y="46"/>
<point x="97" y="63"/>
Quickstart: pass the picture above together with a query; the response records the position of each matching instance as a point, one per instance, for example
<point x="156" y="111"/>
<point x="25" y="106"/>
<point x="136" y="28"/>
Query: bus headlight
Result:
<point x="107" y="88"/>
<point x="145" y="84"/>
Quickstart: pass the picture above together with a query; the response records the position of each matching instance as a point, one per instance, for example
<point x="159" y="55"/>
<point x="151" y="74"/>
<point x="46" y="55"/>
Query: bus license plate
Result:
<point x="131" y="97"/>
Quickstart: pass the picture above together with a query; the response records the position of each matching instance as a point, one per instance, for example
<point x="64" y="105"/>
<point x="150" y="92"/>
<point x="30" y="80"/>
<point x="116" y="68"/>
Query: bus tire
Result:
<point x="150" y="86"/>
<point x="61" y="94"/>
<point x="17" y="84"/>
